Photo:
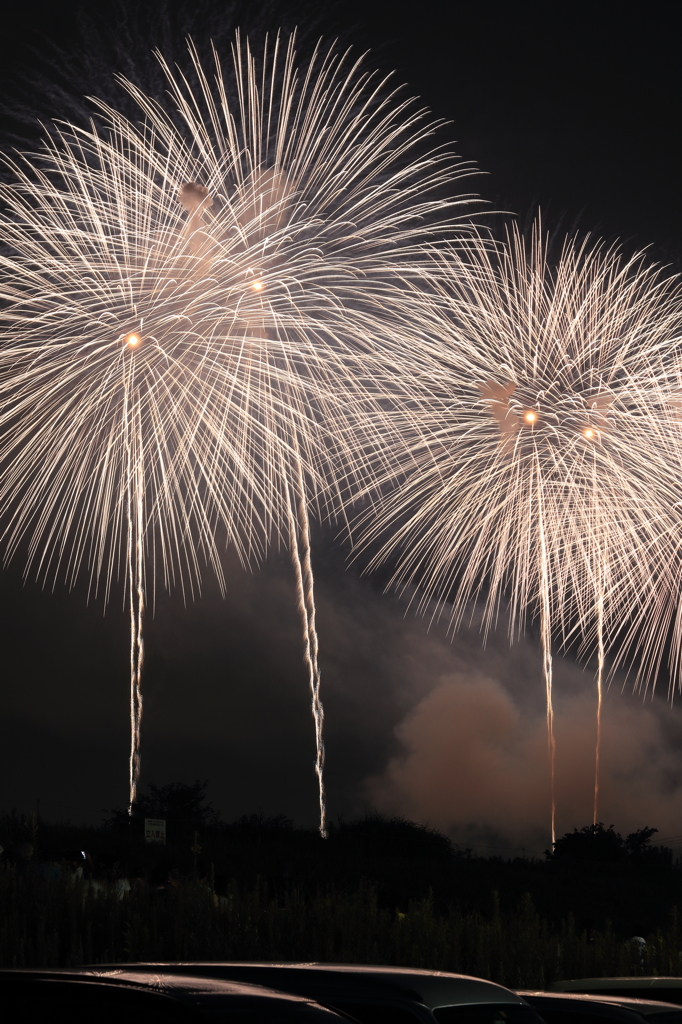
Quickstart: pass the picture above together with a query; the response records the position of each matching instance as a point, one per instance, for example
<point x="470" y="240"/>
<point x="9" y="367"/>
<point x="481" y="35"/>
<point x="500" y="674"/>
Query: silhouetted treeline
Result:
<point x="595" y="877"/>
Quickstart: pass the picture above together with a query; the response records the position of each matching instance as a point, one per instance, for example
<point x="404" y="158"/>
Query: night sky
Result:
<point x="572" y="107"/>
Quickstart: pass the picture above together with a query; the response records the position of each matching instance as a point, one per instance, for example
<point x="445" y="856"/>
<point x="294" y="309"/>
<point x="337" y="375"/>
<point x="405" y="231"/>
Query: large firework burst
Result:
<point x="525" y="443"/>
<point x="175" y="291"/>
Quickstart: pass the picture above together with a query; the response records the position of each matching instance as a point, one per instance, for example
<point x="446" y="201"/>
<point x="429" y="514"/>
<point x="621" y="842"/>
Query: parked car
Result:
<point x="667" y="989"/>
<point x="376" y="995"/>
<point x="143" y="997"/>
<point x="567" y="1008"/>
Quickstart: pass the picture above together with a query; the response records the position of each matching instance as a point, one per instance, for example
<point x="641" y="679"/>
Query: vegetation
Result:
<point x="377" y="891"/>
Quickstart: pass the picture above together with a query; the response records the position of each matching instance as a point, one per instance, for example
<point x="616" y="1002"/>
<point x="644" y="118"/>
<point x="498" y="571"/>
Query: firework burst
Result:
<point x="178" y="294"/>
<point x="520" y="448"/>
<point x="132" y="430"/>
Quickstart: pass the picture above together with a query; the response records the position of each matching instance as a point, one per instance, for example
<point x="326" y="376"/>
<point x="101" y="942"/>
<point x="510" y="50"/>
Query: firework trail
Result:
<point x="599" y="581"/>
<point x="304" y="570"/>
<point x="519" y="430"/>
<point x="600" y="694"/>
<point x="134" y="475"/>
<point x="545" y="614"/>
<point x="299" y="542"/>
<point x="180" y="296"/>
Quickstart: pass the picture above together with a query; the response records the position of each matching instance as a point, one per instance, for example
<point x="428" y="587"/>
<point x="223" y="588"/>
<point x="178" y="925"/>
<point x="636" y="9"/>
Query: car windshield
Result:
<point x="376" y="1013"/>
<point x="221" y="1010"/>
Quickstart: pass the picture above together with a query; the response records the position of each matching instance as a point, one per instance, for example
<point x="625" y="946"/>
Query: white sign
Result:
<point x="154" y="830"/>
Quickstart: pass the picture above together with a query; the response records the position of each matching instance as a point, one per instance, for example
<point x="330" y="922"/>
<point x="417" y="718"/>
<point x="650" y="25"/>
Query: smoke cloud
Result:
<point x="475" y="763"/>
<point x="447" y="733"/>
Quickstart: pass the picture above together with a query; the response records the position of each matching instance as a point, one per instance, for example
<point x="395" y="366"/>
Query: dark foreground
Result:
<point x="376" y="891"/>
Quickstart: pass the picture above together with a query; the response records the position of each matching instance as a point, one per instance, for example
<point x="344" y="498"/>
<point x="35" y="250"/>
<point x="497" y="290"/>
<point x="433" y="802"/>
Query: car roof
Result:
<point x="431" y="988"/>
<point x="163" y="982"/>
<point x="608" y="984"/>
<point x="644" y="1007"/>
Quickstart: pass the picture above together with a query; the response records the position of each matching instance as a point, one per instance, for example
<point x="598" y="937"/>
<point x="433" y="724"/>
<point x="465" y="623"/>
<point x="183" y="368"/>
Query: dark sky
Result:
<point x="575" y="107"/>
<point x="572" y="106"/>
